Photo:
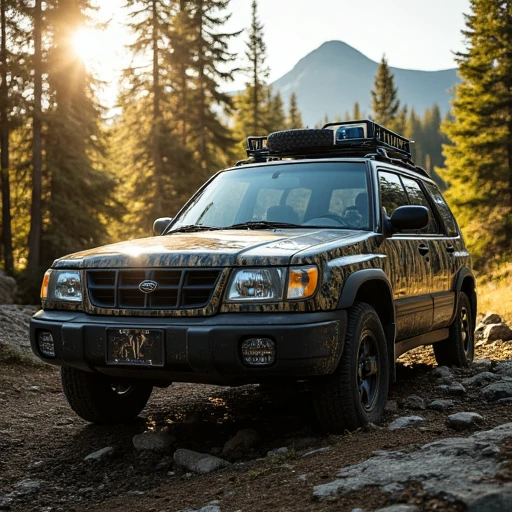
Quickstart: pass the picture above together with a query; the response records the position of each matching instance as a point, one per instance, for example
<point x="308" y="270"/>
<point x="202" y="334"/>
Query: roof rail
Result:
<point x="362" y="138"/>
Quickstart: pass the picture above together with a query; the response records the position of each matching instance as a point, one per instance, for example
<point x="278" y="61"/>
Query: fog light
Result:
<point x="259" y="352"/>
<point x="45" y="343"/>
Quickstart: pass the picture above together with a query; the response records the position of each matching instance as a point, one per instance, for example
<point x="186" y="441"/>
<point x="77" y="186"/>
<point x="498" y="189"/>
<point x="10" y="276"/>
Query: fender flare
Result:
<point x="464" y="273"/>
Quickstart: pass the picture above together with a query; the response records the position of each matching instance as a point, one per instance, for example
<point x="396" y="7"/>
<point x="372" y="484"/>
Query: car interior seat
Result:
<point x="282" y="213"/>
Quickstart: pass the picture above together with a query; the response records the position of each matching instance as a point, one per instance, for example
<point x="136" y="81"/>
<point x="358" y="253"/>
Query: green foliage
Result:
<point x="478" y="164"/>
<point x="385" y="103"/>
<point x="294" y="121"/>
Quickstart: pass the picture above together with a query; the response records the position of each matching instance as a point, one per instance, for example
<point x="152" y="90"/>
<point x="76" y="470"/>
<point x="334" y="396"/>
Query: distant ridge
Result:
<point x="334" y="76"/>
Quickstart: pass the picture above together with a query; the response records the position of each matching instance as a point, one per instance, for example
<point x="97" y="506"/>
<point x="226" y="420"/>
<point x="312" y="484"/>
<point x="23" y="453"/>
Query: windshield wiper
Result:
<point x="192" y="228"/>
<point x="262" y="224"/>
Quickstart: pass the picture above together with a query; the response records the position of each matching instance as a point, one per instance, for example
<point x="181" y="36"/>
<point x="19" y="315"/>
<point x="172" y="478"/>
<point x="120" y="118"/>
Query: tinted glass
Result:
<point x="443" y="209"/>
<point x="417" y="197"/>
<point x="392" y="193"/>
<point x="327" y="194"/>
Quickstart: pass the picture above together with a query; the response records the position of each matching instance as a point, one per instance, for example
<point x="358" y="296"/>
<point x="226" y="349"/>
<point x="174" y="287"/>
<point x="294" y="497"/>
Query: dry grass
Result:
<point x="495" y="293"/>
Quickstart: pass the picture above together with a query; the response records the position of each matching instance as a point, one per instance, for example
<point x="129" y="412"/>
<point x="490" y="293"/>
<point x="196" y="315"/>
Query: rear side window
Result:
<point x="392" y="192"/>
<point x="443" y="209"/>
<point x="417" y="197"/>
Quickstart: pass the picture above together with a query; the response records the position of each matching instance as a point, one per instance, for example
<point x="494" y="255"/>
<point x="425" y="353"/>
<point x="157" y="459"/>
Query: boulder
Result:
<point x="440" y="405"/>
<point x="491" y="318"/>
<point x="8" y="289"/>
<point x="100" y="455"/>
<point x="481" y="379"/>
<point x="497" y="391"/>
<point x="198" y="462"/>
<point x="494" y="332"/>
<point x="415" y="402"/>
<point x="159" y="441"/>
<point x="503" y="368"/>
<point x="443" y="373"/>
<point x="243" y="440"/>
<point x="454" y="389"/>
<point x="464" y="421"/>
<point x="405" y="422"/>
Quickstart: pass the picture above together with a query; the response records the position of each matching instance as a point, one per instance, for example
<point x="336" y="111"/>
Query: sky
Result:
<point x="414" y="34"/>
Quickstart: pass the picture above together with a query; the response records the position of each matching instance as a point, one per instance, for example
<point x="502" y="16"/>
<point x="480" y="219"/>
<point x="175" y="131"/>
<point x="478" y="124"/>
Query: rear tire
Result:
<point x="459" y="348"/>
<point x="99" y="399"/>
<point x="289" y="140"/>
<point x="356" y="393"/>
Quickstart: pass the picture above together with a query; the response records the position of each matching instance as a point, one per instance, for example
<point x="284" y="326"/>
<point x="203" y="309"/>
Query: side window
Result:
<point x="417" y="197"/>
<point x="443" y="209"/>
<point x="392" y="192"/>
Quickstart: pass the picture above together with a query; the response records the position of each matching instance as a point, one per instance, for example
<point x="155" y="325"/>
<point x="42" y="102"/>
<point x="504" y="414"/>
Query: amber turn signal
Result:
<point x="44" y="286"/>
<point x="303" y="282"/>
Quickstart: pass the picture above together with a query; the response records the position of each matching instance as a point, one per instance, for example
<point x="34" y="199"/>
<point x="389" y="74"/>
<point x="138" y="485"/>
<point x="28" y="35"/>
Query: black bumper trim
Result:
<point x="201" y="349"/>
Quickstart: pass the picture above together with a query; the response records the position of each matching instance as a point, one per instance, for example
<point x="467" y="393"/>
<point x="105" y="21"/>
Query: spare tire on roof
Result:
<point x="289" y="140"/>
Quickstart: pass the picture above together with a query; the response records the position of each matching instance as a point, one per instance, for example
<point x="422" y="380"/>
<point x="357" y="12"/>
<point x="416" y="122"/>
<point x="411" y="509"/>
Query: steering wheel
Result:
<point x="333" y="216"/>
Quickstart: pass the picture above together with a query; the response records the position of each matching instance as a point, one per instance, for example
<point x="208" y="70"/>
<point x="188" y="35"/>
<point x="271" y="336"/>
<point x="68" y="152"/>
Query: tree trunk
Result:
<point x="34" y="240"/>
<point x="4" y="149"/>
<point x="202" y="95"/>
<point x="157" y="121"/>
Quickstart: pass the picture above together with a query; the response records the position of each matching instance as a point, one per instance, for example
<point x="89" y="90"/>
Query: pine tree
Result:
<point x="294" y="115"/>
<point x="385" y="104"/>
<point x="479" y="161"/>
<point x="251" y="104"/>
<point x="275" y="118"/>
<point x="211" y="66"/>
<point x="81" y="191"/>
<point x="357" y="114"/>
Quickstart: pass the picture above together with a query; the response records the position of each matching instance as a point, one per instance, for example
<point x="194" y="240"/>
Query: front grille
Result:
<point x="177" y="288"/>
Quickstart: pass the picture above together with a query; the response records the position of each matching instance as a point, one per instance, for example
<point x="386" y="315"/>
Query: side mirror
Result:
<point x="409" y="217"/>
<point x="160" y="225"/>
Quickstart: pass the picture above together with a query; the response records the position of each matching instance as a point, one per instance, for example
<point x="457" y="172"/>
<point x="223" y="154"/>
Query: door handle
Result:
<point x="450" y="248"/>
<point x="423" y="249"/>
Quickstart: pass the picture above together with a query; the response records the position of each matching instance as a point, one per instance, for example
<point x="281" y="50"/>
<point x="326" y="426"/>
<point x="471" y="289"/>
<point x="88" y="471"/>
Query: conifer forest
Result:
<point x="75" y="174"/>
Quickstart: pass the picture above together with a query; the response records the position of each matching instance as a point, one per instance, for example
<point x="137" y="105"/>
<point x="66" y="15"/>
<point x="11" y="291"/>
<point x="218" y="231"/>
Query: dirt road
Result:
<point x="43" y="445"/>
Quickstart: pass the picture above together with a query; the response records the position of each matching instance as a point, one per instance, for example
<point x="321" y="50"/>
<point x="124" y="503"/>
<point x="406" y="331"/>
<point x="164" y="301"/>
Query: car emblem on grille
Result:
<point x="148" y="286"/>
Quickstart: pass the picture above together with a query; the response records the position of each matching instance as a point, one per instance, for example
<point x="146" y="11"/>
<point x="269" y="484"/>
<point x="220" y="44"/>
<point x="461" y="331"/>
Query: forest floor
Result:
<point x="42" y="441"/>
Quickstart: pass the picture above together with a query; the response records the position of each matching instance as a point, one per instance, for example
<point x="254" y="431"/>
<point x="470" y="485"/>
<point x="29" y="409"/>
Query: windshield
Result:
<point x="327" y="194"/>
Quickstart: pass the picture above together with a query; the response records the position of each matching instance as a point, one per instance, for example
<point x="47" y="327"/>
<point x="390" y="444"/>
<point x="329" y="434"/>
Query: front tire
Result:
<point x="99" y="399"/>
<point x="459" y="348"/>
<point x="355" y="394"/>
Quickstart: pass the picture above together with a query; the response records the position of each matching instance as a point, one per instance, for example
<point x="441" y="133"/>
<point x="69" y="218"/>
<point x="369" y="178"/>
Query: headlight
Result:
<point x="303" y="282"/>
<point x="62" y="285"/>
<point x="264" y="284"/>
<point x="269" y="284"/>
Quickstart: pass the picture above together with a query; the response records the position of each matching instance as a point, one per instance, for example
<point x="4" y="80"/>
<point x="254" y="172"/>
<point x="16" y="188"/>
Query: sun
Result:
<point x="96" y="49"/>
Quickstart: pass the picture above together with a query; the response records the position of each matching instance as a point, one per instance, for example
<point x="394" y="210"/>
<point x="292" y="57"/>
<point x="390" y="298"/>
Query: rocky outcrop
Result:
<point x="14" y="334"/>
<point x="432" y="467"/>
<point x="7" y="289"/>
<point x="492" y="328"/>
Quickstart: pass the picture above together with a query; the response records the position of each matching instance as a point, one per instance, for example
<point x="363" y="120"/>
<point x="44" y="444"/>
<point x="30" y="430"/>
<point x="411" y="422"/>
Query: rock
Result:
<point x="100" y="455"/>
<point x="242" y="440"/>
<point x="505" y="401"/>
<point x="464" y="421"/>
<point x="14" y="334"/>
<point x="27" y="487"/>
<point x="492" y="502"/>
<point x="443" y="372"/>
<point x="496" y="391"/>
<point x="5" y="502"/>
<point x="491" y="318"/>
<point x="431" y="467"/>
<point x="400" y="507"/>
<point x="154" y="441"/>
<point x="317" y="451"/>
<point x="303" y="477"/>
<point x="279" y="451"/>
<point x="483" y="365"/>
<point x="480" y="379"/>
<point x="440" y="405"/>
<point x="405" y="422"/>
<point x="198" y="462"/>
<point x="415" y="402"/>
<point x="208" y="508"/>
<point x="454" y="389"/>
<point x="391" y="406"/>
<point x="496" y="332"/>
<point x="503" y="368"/>
<point x="8" y="289"/>
<point x="393" y="489"/>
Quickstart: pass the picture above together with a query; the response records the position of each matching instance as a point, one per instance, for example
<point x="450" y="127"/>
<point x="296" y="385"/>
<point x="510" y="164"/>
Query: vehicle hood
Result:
<point x="213" y="249"/>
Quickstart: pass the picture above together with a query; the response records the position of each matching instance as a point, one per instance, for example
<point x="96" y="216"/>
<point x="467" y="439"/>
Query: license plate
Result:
<point x="138" y="347"/>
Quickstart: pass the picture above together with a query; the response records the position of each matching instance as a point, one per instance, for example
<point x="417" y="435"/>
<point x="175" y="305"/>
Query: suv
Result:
<point x="322" y="257"/>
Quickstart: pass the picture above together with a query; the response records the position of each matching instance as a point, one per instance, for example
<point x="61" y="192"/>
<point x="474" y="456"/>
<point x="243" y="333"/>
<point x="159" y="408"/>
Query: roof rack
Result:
<point x="363" y="138"/>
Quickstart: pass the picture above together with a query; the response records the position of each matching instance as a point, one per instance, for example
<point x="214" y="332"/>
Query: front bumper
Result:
<point x="201" y="349"/>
